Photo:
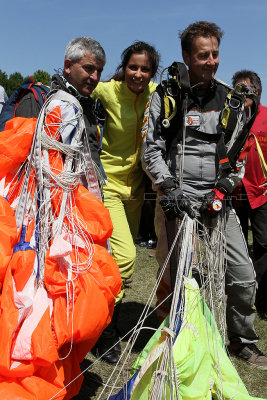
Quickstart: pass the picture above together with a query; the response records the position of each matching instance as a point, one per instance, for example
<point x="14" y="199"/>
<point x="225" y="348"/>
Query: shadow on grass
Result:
<point x="129" y="316"/>
<point x="91" y="383"/>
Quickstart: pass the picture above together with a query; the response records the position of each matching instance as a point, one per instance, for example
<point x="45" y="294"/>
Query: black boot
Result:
<point x="108" y="339"/>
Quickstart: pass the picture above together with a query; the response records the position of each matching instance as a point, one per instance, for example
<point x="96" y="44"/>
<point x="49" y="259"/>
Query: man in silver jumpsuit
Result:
<point x="204" y="179"/>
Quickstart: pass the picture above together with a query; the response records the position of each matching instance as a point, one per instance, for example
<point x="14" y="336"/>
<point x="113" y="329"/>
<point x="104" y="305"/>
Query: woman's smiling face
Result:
<point x="138" y="72"/>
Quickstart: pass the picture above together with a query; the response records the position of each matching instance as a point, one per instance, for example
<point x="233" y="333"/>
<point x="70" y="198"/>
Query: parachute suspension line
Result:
<point x="48" y="180"/>
<point x="209" y="264"/>
<point x="99" y="175"/>
<point x="205" y="250"/>
<point x="20" y="211"/>
<point x="183" y="266"/>
<point x="182" y="150"/>
<point x="64" y="223"/>
<point x="211" y="269"/>
<point x="237" y="129"/>
<point x="202" y="249"/>
<point x="45" y="176"/>
<point x="139" y="325"/>
<point x="10" y="189"/>
<point x="167" y="374"/>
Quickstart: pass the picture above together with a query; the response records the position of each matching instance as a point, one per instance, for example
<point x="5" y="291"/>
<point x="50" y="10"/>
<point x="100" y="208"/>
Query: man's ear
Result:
<point x="67" y="66"/>
<point x="186" y="57"/>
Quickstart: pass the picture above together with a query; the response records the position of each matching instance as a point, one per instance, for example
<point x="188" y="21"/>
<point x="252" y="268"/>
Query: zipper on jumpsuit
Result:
<point x="137" y="133"/>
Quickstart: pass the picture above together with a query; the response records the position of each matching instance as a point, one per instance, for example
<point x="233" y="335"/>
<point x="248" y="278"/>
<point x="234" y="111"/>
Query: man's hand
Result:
<point x="175" y="204"/>
<point x="212" y="202"/>
<point x="264" y="185"/>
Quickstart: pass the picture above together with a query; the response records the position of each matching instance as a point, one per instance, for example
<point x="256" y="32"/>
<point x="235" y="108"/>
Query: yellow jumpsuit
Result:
<point x="121" y="147"/>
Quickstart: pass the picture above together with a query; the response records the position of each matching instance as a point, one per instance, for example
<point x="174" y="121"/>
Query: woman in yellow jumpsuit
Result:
<point x="124" y="99"/>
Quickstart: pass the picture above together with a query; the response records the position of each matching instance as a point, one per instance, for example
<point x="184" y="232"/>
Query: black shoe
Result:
<point x="261" y="308"/>
<point x="143" y="243"/>
<point x="139" y="239"/>
<point x="262" y="311"/>
<point x="262" y="314"/>
<point x="108" y="346"/>
<point x="108" y="349"/>
<point x="249" y="353"/>
<point x="151" y="244"/>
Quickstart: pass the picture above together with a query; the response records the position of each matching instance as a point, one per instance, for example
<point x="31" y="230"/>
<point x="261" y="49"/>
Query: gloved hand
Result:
<point x="175" y="204"/>
<point x="212" y="202"/>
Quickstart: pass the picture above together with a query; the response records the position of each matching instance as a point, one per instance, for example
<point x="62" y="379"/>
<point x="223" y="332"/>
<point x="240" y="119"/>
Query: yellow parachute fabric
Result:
<point x="204" y="370"/>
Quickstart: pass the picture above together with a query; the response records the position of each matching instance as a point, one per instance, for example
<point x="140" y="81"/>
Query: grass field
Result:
<point x="143" y="281"/>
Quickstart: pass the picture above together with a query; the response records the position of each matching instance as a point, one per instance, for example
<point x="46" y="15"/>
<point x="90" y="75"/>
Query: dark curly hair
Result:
<point x="199" y="29"/>
<point x="137" y="48"/>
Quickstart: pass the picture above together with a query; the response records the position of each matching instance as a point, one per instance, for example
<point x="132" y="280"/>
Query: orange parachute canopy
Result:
<point x="15" y="143"/>
<point x="48" y="327"/>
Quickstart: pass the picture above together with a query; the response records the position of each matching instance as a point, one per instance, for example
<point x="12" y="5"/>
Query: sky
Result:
<point x="34" y="33"/>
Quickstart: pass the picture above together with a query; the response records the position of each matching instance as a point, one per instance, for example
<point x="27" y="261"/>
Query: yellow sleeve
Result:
<point x="97" y="93"/>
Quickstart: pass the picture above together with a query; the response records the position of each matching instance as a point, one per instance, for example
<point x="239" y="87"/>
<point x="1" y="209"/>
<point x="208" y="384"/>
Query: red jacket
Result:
<point x="253" y="175"/>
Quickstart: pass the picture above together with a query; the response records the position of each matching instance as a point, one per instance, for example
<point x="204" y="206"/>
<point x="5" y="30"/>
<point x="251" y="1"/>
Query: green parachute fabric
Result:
<point x="204" y="370"/>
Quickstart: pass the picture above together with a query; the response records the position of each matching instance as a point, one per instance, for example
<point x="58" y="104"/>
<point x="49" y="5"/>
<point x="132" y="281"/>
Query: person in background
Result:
<point x="124" y="99"/>
<point x="251" y="198"/>
<point x="147" y="236"/>
<point x="3" y="97"/>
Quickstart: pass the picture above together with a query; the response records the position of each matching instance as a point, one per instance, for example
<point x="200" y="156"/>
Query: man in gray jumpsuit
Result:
<point x="204" y="179"/>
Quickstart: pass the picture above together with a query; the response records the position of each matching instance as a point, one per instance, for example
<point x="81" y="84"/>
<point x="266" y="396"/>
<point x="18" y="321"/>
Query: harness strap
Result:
<point x="179" y="71"/>
<point x="222" y="153"/>
<point x="229" y="116"/>
<point x="170" y="110"/>
<point x="240" y="140"/>
<point x="246" y="148"/>
<point x="236" y="136"/>
<point x="203" y="136"/>
<point x="217" y="138"/>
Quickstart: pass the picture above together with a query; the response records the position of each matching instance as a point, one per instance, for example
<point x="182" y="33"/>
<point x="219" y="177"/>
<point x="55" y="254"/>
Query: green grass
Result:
<point x="143" y="281"/>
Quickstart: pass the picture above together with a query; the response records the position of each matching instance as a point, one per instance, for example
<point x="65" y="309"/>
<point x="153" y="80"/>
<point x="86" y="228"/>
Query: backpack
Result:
<point x="9" y="109"/>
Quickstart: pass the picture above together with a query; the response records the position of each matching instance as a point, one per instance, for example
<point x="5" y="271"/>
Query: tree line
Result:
<point x="13" y="81"/>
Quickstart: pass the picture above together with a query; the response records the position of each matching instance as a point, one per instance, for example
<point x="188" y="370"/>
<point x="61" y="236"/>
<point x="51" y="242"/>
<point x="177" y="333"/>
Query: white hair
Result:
<point x="77" y="48"/>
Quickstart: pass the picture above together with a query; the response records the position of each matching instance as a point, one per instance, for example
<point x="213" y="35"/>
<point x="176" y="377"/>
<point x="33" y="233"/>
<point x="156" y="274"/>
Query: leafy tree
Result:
<point x="14" y="81"/>
<point x="42" y="76"/>
<point x="3" y="80"/>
